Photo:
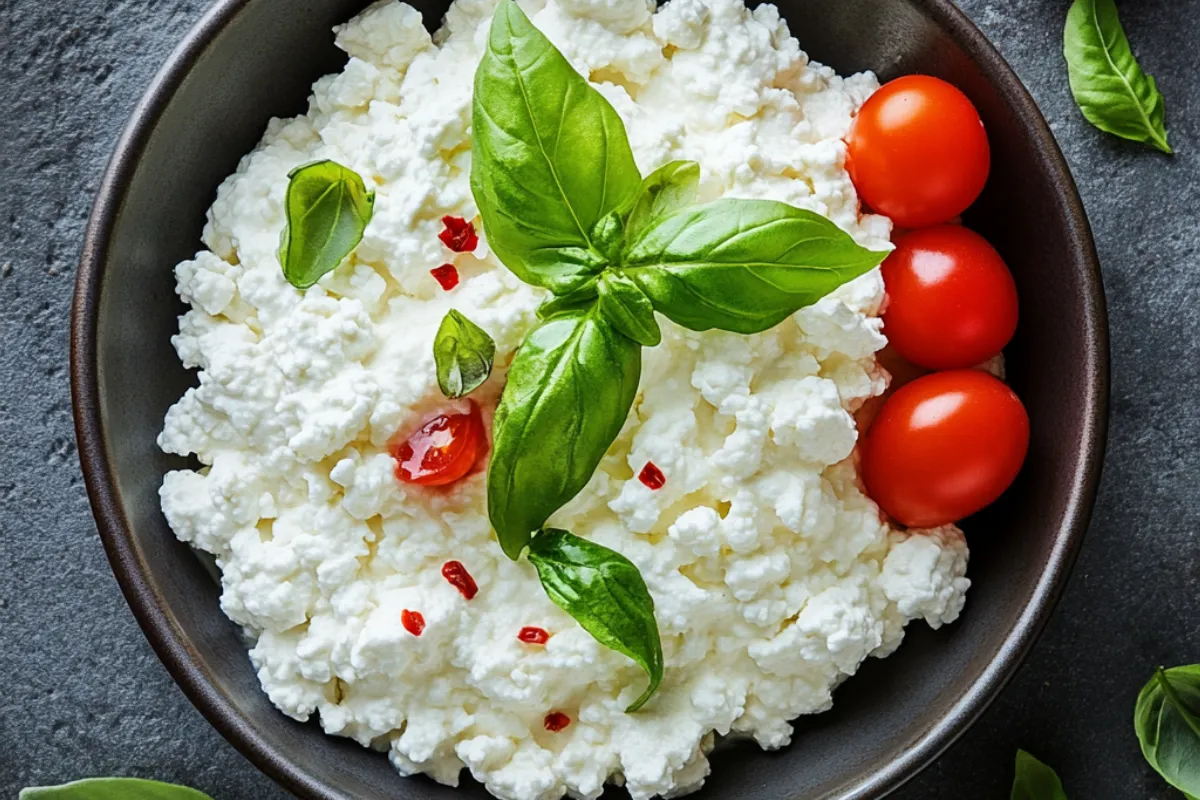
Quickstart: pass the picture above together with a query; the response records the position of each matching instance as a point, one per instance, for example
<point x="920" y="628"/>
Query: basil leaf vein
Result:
<point x="112" y="789"/>
<point x="327" y="207"/>
<point x="669" y="188"/>
<point x="605" y="593"/>
<point x="570" y="387"/>
<point x="1033" y="780"/>
<point x="1167" y="722"/>
<point x="742" y="265"/>
<point x="463" y="353"/>
<point x="550" y="157"/>
<point x="1109" y="85"/>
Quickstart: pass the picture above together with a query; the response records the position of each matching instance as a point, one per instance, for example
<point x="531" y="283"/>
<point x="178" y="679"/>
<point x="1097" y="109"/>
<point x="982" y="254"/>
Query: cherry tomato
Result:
<point x="917" y="151"/>
<point x="442" y="450"/>
<point x="952" y="302"/>
<point x="944" y="446"/>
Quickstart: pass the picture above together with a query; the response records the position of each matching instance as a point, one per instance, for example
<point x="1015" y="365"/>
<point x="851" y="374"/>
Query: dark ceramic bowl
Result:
<point x="250" y="59"/>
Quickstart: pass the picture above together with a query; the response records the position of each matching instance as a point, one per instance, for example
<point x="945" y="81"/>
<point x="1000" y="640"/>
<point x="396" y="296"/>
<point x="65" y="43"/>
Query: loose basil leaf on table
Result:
<point x="327" y="208"/>
<point x="1167" y="722"/>
<point x="550" y="157"/>
<point x="628" y="309"/>
<point x="1109" y="85"/>
<point x="669" y="188"/>
<point x="112" y="789"/>
<point x="569" y="390"/>
<point x="463" y="353"/>
<point x="742" y="265"/>
<point x="604" y="592"/>
<point x="1033" y="780"/>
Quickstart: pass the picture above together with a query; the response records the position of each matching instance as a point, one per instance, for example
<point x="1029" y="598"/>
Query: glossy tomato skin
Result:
<point x="943" y="447"/>
<point x="952" y="302"/>
<point x="917" y="151"/>
<point x="441" y="451"/>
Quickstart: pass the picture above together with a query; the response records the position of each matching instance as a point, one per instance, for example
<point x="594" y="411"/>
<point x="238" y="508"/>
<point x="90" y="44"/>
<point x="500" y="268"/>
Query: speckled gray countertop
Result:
<point x="84" y="695"/>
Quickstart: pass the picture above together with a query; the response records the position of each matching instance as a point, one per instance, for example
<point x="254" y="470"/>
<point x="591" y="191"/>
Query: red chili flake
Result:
<point x="459" y="578"/>
<point x="555" y="721"/>
<point x="446" y="275"/>
<point x="459" y="235"/>
<point x="531" y="635"/>
<point x="652" y="476"/>
<point x="412" y="621"/>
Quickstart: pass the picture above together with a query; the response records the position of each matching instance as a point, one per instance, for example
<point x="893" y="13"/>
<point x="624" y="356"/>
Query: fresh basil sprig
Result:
<point x="604" y="592"/>
<point x="1167" y="722"/>
<point x="1033" y="780"/>
<point x="463" y="353"/>
<point x="1109" y="85"/>
<point x="112" y="789"/>
<point x="327" y="208"/>
<point x="569" y="390"/>
<point x="565" y="208"/>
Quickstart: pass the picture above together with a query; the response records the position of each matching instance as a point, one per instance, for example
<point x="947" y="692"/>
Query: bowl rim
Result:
<point x="166" y="636"/>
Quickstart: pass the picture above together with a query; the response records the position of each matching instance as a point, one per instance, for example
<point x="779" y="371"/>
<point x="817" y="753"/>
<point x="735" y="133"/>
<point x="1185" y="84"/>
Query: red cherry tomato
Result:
<point x="442" y="450"/>
<point x="952" y="302"/>
<point x="944" y="446"/>
<point x="917" y="151"/>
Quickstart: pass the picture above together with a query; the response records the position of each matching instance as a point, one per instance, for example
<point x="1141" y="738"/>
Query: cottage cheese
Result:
<point x="773" y="575"/>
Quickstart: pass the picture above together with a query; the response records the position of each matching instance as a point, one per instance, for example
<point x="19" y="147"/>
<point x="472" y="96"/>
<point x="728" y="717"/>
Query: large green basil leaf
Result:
<point x="112" y="789"/>
<point x="327" y="208"/>
<point x="669" y="188"/>
<point x="569" y="390"/>
<point x="1167" y="721"/>
<point x="1033" y="780"/>
<point x="742" y="265"/>
<point x="463" y="353"/>
<point x="605" y="594"/>
<point x="1109" y="85"/>
<point x="628" y="309"/>
<point x="550" y="157"/>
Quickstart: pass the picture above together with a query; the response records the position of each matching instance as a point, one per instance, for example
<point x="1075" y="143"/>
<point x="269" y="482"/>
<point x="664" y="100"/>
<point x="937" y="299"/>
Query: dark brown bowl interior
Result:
<point x="250" y="59"/>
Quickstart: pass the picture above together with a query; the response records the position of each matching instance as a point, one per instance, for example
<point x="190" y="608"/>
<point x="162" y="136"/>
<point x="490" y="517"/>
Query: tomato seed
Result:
<point x="459" y="578"/>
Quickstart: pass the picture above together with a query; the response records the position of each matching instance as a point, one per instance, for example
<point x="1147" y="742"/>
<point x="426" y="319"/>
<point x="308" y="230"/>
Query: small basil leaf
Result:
<point x="1109" y="85"/>
<point x="669" y="188"/>
<point x="1167" y="722"/>
<point x="112" y="789"/>
<point x="327" y="208"/>
<point x="609" y="235"/>
<point x="579" y="299"/>
<point x="604" y="592"/>
<point x="550" y="157"/>
<point x="1033" y="780"/>
<point x="742" y="265"/>
<point x="628" y="309"/>
<point x="569" y="390"/>
<point x="463" y="353"/>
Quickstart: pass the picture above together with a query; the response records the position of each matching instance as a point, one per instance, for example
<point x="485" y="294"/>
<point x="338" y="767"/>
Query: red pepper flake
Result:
<point x="460" y="579"/>
<point x="446" y="275"/>
<point x="459" y="235"/>
<point x="412" y="621"/>
<point x="652" y="476"/>
<point x="531" y="635"/>
<point x="555" y="721"/>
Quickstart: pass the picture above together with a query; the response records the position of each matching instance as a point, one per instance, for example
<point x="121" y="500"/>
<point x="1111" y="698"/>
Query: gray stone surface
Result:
<point x="83" y="693"/>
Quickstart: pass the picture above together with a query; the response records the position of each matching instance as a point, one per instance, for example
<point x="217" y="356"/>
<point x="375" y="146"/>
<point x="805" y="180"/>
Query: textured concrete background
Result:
<point x="84" y="695"/>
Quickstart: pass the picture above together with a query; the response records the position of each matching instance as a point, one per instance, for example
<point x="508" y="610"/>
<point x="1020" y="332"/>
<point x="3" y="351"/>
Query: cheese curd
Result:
<point x="773" y="574"/>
